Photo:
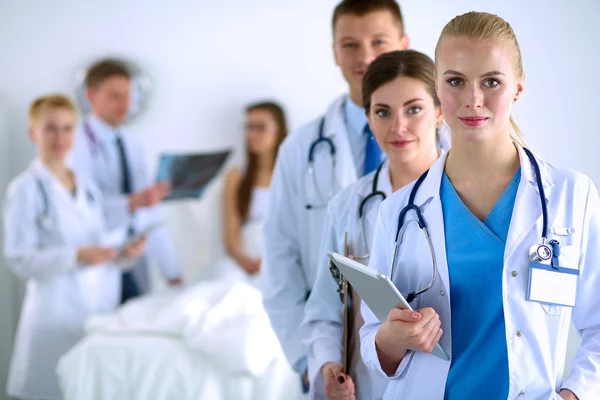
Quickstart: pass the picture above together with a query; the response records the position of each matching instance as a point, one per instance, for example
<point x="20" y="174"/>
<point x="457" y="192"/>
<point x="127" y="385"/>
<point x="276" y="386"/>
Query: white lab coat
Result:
<point x="292" y="232"/>
<point x="323" y="315"/>
<point x="60" y="293"/>
<point x="536" y="355"/>
<point x="98" y="159"/>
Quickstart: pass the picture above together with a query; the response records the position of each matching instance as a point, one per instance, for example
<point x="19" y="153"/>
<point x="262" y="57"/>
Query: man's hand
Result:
<point x="150" y="196"/>
<point x="175" y="282"/>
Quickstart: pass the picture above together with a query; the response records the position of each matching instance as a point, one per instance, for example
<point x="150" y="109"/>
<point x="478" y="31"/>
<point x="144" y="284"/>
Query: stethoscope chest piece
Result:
<point x="540" y="253"/>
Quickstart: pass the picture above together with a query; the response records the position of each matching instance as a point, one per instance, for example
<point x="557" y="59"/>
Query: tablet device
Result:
<point x="138" y="235"/>
<point x="375" y="289"/>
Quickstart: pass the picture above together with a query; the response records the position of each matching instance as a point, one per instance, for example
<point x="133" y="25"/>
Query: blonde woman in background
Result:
<point x="54" y="237"/>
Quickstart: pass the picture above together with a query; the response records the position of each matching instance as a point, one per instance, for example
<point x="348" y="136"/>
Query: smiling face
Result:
<point x="53" y="134"/>
<point x="477" y="84"/>
<point x="404" y="118"/>
<point x="110" y="99"/>
<point x="359" y="39"/>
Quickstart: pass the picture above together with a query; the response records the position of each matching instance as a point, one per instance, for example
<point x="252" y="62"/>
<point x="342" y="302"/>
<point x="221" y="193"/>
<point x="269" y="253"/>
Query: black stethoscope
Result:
<point x="361" y="210"/>
<point x="541" y="253"/>
<point x="45" y="220"/>
<point x="321" y="138"/>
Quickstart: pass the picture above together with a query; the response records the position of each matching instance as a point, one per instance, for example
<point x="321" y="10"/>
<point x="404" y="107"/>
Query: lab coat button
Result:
<point x="522" y="394"/>
<point x="514" y="273"/>
<point x="442" y="292"/>
<point x="519" y="333"/>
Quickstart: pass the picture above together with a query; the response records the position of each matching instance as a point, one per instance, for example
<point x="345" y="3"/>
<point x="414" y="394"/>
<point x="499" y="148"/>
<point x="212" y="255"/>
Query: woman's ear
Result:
<point x="519" y="88"/>
<point x="439" y="117"/>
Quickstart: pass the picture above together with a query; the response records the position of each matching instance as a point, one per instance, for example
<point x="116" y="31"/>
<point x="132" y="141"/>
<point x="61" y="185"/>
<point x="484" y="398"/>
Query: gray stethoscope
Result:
<point x="541" y="253"/>
<point x="361" y="211"/>
<point x="46" y="220"/>
<point x="321" y="138"/>
<point x="96" y="145"/>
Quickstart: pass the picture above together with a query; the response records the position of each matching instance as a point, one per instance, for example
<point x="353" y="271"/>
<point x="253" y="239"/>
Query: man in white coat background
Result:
<point x="106" y="152"/>
<point x="337" y="148"/>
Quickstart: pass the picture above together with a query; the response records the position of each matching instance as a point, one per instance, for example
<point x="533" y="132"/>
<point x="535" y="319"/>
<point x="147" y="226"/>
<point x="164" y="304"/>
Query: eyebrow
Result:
<point x="403" y="105"/>
<point x="486" y="75"/>
<point x="377" y="36"/>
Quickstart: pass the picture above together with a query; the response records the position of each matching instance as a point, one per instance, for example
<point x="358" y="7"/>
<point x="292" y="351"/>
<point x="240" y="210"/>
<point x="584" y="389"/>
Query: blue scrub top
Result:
<point x="475" y="255"/>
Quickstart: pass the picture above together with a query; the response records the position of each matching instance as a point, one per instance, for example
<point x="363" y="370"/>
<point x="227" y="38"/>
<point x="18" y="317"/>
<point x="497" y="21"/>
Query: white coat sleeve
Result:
<point x="584" y="380"/>
<point x="323" y="312"/>
<point x="283" y="282"/>
<point x="160" y="246"/>
<point x="21" y="237"/>
<point x="380" y="260"/>
<point x="116" y="206"/>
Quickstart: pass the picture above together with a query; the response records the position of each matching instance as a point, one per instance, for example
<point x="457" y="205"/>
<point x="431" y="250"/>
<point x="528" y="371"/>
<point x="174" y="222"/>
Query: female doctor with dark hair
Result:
<point x="404" y="115"/>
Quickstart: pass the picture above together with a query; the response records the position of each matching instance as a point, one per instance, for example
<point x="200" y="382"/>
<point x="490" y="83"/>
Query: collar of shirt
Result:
<point x="102" y="130"/>
<point x="355" y="116"/>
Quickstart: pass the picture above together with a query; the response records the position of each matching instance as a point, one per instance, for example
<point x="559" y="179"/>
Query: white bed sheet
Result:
<point x="133" y="367"/>
<point x="210" y="340"/>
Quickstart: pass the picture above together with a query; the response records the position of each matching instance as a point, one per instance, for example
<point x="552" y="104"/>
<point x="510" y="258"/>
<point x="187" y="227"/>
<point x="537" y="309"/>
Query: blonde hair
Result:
<point x="45" y="103"/>
<point x="486" y="26"/>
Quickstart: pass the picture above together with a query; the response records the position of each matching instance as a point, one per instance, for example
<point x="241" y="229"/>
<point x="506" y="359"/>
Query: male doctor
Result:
<point x="113" y="157"/>
<point x="362" y="30"/>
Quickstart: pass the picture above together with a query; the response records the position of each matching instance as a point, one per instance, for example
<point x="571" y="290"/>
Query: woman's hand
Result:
<point x="136" y="248"/>
<point x="406" y="330"/>
<point x="251" y="266"/>
<point x="95" y="255"/>
<point x="567" y="395"/>
<point x="338" y="386"/>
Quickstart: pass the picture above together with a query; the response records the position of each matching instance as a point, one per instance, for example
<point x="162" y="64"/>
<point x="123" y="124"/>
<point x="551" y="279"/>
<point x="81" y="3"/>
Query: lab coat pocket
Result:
<point x="568" y="258"/>
<point x="564" y="235"/>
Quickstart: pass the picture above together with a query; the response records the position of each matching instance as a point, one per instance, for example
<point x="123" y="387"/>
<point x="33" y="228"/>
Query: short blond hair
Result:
<point x="48" y="102"/>
<point x="485" y="26"/>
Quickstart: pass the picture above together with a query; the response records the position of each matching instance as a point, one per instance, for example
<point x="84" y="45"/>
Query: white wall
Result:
<point x="207" y="59"/>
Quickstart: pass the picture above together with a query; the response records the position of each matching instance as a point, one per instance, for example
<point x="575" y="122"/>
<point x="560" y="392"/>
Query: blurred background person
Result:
<point x="218" y="325"/>
<point x="54" y="234"/>
<point x="247" y="190"/>
<point x="113" y="158"/>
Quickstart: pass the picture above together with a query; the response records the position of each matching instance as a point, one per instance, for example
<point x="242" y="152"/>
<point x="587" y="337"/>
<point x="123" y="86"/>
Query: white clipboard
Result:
<point x="376" y="289"/>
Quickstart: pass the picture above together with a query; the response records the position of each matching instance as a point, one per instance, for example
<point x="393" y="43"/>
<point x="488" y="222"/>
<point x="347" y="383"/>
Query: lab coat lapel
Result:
<point x="335" y="126"/>
<point x="527" y="211"/>
<point x="371" y="209"/>
<point x="70" y="213"/>
<point x="428" y="199"/>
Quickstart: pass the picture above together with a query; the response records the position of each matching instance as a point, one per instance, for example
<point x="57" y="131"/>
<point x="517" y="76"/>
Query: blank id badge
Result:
<point x="552" y="284"/>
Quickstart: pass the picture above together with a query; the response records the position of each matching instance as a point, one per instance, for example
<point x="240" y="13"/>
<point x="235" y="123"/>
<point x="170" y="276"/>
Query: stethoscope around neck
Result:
<point x="361" y="212"/>
<point x="321" y="138"/>
<point x="45" y="220"/>
<point x="537" y="253"/>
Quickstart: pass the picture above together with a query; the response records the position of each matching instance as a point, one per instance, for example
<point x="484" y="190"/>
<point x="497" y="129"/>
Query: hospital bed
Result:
<point x="209" y="341"/>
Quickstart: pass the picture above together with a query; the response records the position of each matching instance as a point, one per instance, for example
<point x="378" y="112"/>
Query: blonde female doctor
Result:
<point x="54" y="233"/>
<point x="405" y="116"/>
<point x="515" y="241"/>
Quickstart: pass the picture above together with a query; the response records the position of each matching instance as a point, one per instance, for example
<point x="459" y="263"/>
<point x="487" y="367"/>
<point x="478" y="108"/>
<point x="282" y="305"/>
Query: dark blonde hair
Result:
<point x="486" y="26"/>
<point x="43" y="104"/>
<point x="363" y="7"/>
<point x="104" y="69"/>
